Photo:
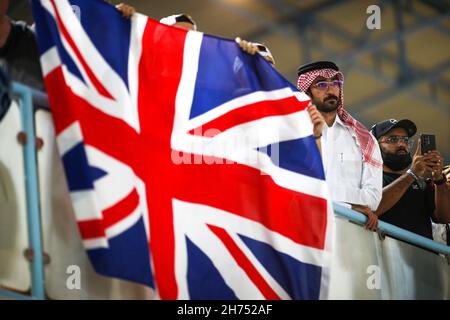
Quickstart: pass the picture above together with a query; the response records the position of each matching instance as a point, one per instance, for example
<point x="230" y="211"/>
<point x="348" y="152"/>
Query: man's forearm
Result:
<point x="442" y="200"/>
<point x="393" y="192"/>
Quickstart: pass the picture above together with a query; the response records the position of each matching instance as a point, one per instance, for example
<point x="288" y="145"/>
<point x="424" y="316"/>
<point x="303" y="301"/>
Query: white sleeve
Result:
<point x="371" y="189"/>
<point x="372" y="181"/>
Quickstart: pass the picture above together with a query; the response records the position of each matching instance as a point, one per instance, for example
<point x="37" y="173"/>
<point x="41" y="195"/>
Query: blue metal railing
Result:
<point x="14" y="296"/>
<point x="392" y="230"/>
<point x="32" y="192"/>
<point x="25" y="95"/>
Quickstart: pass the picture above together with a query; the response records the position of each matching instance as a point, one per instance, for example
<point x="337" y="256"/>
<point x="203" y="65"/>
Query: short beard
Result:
<point x="324" y="107"/>
<point x="395" y="161"/>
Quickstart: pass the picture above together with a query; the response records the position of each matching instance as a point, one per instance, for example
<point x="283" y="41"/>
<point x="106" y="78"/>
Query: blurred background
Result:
<point x="401" y="70"/>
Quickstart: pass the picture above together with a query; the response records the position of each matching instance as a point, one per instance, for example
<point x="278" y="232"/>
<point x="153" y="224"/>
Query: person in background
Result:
<point x="19" y="53"/>
<point x="351" y="157"/>
<point x="409" y="201"/>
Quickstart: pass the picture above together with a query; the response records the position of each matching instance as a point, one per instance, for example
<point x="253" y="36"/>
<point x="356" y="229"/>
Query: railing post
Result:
<point x="32" y="190"/>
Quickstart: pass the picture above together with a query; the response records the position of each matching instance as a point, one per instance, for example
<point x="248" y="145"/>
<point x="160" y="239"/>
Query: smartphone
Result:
<point x="427" y="142"/>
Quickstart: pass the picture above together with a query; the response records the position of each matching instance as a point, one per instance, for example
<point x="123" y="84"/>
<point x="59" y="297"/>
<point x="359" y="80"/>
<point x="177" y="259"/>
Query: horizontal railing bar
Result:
<point x="14" y="295"/>
<point x="392" y="230"/>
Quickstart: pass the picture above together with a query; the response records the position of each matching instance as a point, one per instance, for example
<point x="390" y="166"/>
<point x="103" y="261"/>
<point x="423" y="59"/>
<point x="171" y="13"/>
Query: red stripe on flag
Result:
<point x="91" y="229"/>
<point x="95" y="228"/>
<point x="159" y="75"/>
<point x="121" y="210"/>
<point x="249" y="113"/>
<point x="97" y="84"/>
<point x="246" y="265"/>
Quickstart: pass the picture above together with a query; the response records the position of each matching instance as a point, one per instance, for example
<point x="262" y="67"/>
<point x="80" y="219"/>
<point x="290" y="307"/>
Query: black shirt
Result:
<point x="414" y="210"/>
<point x="20" y="56"/>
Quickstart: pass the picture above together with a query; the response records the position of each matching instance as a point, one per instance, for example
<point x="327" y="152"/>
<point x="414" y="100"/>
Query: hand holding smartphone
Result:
<point x="427" y="143"/>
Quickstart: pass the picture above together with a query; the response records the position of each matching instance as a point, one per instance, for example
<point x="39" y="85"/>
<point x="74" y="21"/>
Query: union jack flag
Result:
<point x="191" y="164"/>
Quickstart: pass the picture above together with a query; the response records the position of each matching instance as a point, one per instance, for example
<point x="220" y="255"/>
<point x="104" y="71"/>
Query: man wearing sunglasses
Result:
<point x="351" y="157"/>
<point x="409" y="201"/>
